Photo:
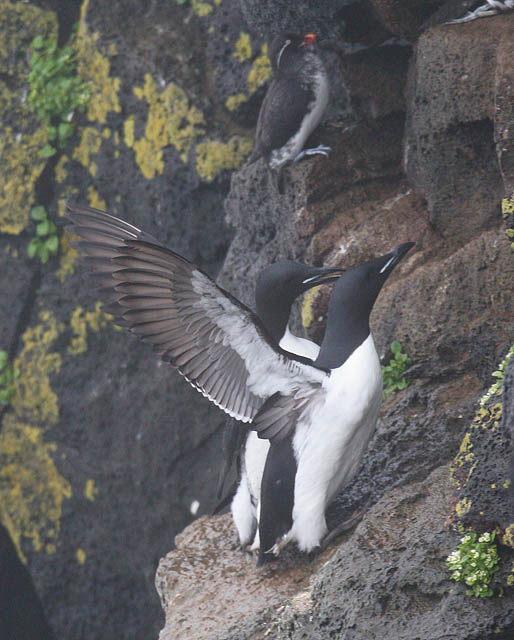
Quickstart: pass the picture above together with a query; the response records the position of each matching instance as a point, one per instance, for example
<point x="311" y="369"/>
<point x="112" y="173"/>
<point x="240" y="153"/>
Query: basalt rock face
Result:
<point x="426" y="157"/>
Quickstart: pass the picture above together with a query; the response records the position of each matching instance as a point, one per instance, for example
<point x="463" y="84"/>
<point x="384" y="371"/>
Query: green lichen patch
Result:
<point x="171" y="121"/>
<point x="243" y="47"/>
<point x="213" y="156"/>
<point x="202" y="8"/>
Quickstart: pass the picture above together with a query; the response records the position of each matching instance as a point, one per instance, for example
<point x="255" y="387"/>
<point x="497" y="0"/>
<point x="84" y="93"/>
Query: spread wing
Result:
<point x="281" y="115"/>
<point x="216" y="343"/>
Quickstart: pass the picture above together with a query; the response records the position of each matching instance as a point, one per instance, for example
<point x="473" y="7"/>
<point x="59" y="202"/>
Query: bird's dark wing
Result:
<point x="279" y="414"/>
<point x="283" y="109"/>
<point x="215" y="342"/>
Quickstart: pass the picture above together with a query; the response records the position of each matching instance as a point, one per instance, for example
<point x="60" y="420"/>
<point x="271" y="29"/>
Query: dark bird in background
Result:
<point x="318" y="417"/>
<point x="294" y="104"/>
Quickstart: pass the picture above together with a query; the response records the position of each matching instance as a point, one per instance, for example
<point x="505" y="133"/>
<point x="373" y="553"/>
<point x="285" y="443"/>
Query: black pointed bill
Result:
<point x="323" y="275"/>
<point x="394" y="257"/>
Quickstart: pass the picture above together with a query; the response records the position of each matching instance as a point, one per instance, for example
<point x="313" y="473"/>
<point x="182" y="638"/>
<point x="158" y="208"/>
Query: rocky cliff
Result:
<point x="105" y="453"/>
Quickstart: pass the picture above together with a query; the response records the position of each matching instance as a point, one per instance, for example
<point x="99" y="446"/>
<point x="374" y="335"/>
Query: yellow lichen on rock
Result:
<point x="508" y="206"/>
<point x="90" y="491"/>
<point x="243" y="47"/>
<point x="260" y="71"/>
<point x="233" y="102"/>
<point x="94" y="199"/>
<point x="81" y="322"/>
<point x="34" y="401"/>
<point x="31" y="488"/>
<point x="202" y="8"/>
<point x="67" y="258"/>
<point x="60" y="172"/>
<point x="307" y="310"/>
<point x="89" y="145"/>
<point x="95" y="68"/>
<point x="463" y="507"/>
<point x="171" y="121"/>
<point x="213" y="156"/>
<point x="20" y="165"/>
<point x="81" y="556"/>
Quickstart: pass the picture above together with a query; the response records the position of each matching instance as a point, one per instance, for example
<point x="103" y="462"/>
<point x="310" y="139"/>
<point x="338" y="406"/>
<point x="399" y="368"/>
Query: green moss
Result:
<point x="213" y="156"/>
<point x="171" y="121"/>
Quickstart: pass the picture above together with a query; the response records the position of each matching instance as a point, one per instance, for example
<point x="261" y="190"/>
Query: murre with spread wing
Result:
<point x="277" y="287"/>
<point x="318" y="417"/>
<point x="294" y="104"/>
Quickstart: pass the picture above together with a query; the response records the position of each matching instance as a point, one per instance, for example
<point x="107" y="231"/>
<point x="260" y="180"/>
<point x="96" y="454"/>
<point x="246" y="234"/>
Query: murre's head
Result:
<point x="288" y="48"/>
<point x="350" y="306"/>
<point x="278" y="286"/>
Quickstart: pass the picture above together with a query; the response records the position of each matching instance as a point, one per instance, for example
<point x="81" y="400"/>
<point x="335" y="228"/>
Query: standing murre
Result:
<point x="294" y="104"/>
<point x="277" y="287"/>
<point x="329" y="424"/>
<point x="327" y="409"/>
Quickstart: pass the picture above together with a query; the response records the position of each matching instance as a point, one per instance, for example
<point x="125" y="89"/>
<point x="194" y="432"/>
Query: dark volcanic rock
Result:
<point x="450" y="135"/>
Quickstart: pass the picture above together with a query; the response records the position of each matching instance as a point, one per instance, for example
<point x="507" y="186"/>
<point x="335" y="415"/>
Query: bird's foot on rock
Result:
<point x="489" y="8"/>
<point x="319" y="150"/>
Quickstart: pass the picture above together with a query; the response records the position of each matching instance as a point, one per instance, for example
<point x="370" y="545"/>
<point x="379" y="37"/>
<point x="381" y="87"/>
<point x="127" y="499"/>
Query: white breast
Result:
<point x="299" y="346"/>
<point x="331" y="439"/>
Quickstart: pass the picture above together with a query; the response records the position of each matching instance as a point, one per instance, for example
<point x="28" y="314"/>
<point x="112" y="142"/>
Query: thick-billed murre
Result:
<point x="294" y="104"/>
<point x="277" y="287"/>
<point x="327" y="409"/>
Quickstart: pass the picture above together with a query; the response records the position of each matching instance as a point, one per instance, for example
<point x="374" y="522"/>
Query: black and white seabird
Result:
<point x="480" y="9"/>
<point x="294" y="103"/>
<point x="277" y="287"/>
<point x="327" y="410"/>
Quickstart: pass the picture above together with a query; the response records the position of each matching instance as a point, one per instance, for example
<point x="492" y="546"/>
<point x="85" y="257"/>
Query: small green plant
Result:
<point x="499" y="374"/>
<point x="56" y="91"/>
<point x="8" y="374"/>
<point x="45" y="243"/>
<point x="392" y="373"/>
<point x="475" y="562"/>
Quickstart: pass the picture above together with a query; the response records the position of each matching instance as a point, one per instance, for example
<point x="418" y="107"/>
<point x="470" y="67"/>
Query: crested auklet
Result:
<point x="277" y="287"/>
<point x="326" y="409"/>
<point x="294" y="104"/>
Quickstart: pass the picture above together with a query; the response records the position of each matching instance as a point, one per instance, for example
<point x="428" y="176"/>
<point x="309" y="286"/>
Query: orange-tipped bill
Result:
<point x="308" y="39"/>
